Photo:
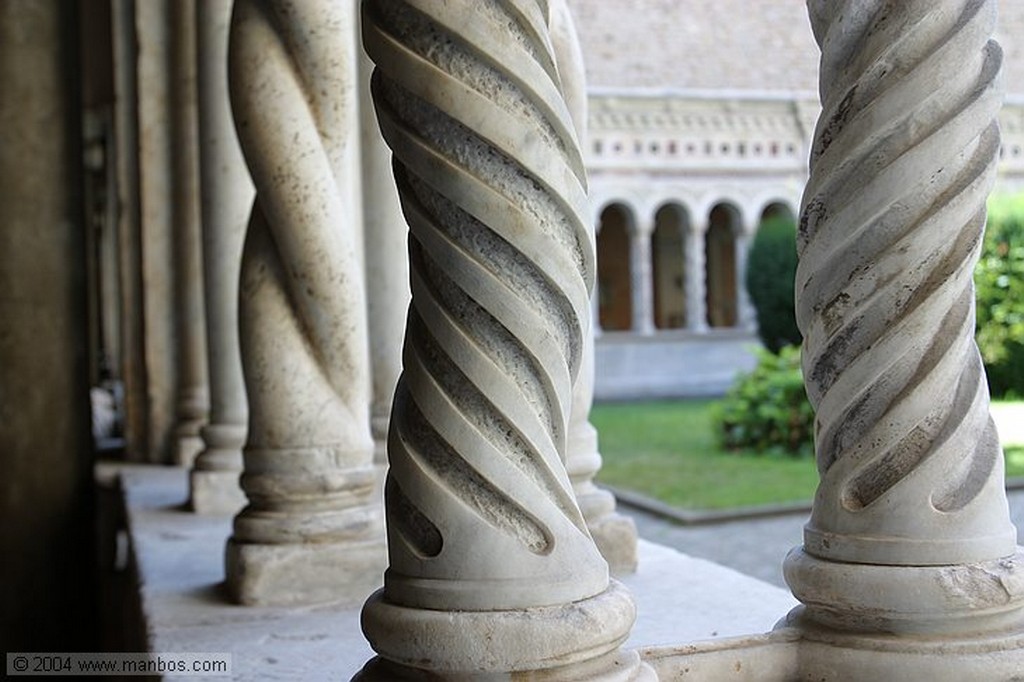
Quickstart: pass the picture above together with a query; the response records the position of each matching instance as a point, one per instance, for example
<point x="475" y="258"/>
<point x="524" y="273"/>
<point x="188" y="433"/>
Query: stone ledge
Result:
<point x="179" y="561"/>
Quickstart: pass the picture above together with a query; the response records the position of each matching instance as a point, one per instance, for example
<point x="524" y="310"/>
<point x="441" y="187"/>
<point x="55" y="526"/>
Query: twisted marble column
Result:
<point x="910" y="531"/>
<point x="312" y="529"/>
<point x="489" y="553"/>
<point x="614" y="534"/>
<point x="226" y="201"/>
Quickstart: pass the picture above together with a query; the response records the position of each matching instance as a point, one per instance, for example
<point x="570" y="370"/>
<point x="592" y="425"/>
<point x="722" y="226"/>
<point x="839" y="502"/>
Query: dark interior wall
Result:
<point x="97" y="53"/>
<point x="615" y="302"/>
<point x="46" y="572"/>
<point x="720" y="259"/>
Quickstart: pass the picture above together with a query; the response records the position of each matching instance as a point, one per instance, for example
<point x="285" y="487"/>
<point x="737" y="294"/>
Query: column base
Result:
<point x="573" y="641"/>
<point x="834" y="656"/>
<point x="379" y="430"/>
<point x="304" y="573"/>
<point x="986" y="596"/>
<point x="186" y="448"/>
<point x="618" y="666"/>
<point x="616" y="538"/>
<point x="215" y="492"/>
<point x="380" y="453"/>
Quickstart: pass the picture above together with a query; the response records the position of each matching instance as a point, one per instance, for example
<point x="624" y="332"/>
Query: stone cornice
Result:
<point x="700" y="131"/>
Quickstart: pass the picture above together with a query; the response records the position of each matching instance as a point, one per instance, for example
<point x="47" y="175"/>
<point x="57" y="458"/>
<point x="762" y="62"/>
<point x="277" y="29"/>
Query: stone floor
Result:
<point x="680" y="597"/>
<point x="178" y="558"/>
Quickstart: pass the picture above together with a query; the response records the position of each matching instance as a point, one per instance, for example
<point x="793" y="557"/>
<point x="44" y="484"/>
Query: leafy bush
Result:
<point x="767" y="410"/>
<point x="771" y="269"/>
<point x="999" y="279"/>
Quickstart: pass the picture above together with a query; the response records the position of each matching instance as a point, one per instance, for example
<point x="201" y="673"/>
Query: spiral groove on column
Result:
<point x="308" y="473"/>
<point x="903" y="159"/>
<point x="493" y="187"/>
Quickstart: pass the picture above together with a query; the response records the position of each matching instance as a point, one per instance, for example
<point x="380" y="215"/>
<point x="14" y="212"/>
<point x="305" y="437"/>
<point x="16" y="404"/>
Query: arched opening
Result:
<point x="614" y="294"/>
<point x="777" y="209"/>
<point x="720" y="259"/>
<point x="668" y="267"/>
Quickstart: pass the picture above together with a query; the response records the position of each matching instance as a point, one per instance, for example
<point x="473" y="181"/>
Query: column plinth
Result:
<point x="213" y="481"/>
<point x="191" y="410"/>
<point x="492" y="569"/>
<point x="977" y="646"/>
<point x="312" y="529"/>
<point x="909" y="549"/>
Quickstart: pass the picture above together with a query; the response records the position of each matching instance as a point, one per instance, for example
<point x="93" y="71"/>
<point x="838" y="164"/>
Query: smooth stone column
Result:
<point x="595" y="223"/>
<point x="492" y="571"/>
<point x="909" y="566"/>
<point x="125" y="202"/>
<point x="387" y="265"/>
<point x="227" y="195"/>
<point x="192" y="403"/>
<point x="696" y="279"/>
<point x="614" y="534"/>
<point x="746" y="315"/>
<point x="641" y="282"/>
<point x="312" y="531"/>
<point x="150" y="379"/>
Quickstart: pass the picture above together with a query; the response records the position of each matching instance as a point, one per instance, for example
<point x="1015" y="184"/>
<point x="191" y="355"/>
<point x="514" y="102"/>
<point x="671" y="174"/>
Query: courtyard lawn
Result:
<point x="667" y="450"/>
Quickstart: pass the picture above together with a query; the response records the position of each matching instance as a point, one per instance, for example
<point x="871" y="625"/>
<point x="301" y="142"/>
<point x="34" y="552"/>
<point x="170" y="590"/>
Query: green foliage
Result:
<point x="999" y="280"/>
<point x="767" y="410"/>
<point x="771" y="269"/>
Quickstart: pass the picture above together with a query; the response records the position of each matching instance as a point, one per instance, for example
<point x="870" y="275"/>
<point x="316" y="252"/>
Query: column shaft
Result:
<point x="483" y="527"/>
<point x="157" y="332"/>
<point x="227" y="195"/>
<point x="746" y="315"/>
<point x="387" y="264"/>
<point x="641" y="281"/>
<point x="312" y="529"/>
<point x="614" y="534"/>
<point x="696" y="280"/>
<point x="192" y="402"/>
<point x="909" y="549"/>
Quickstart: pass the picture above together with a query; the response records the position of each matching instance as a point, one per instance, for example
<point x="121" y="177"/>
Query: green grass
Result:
<point x="1014" y="459"/>
<point x="667" y="450"/>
